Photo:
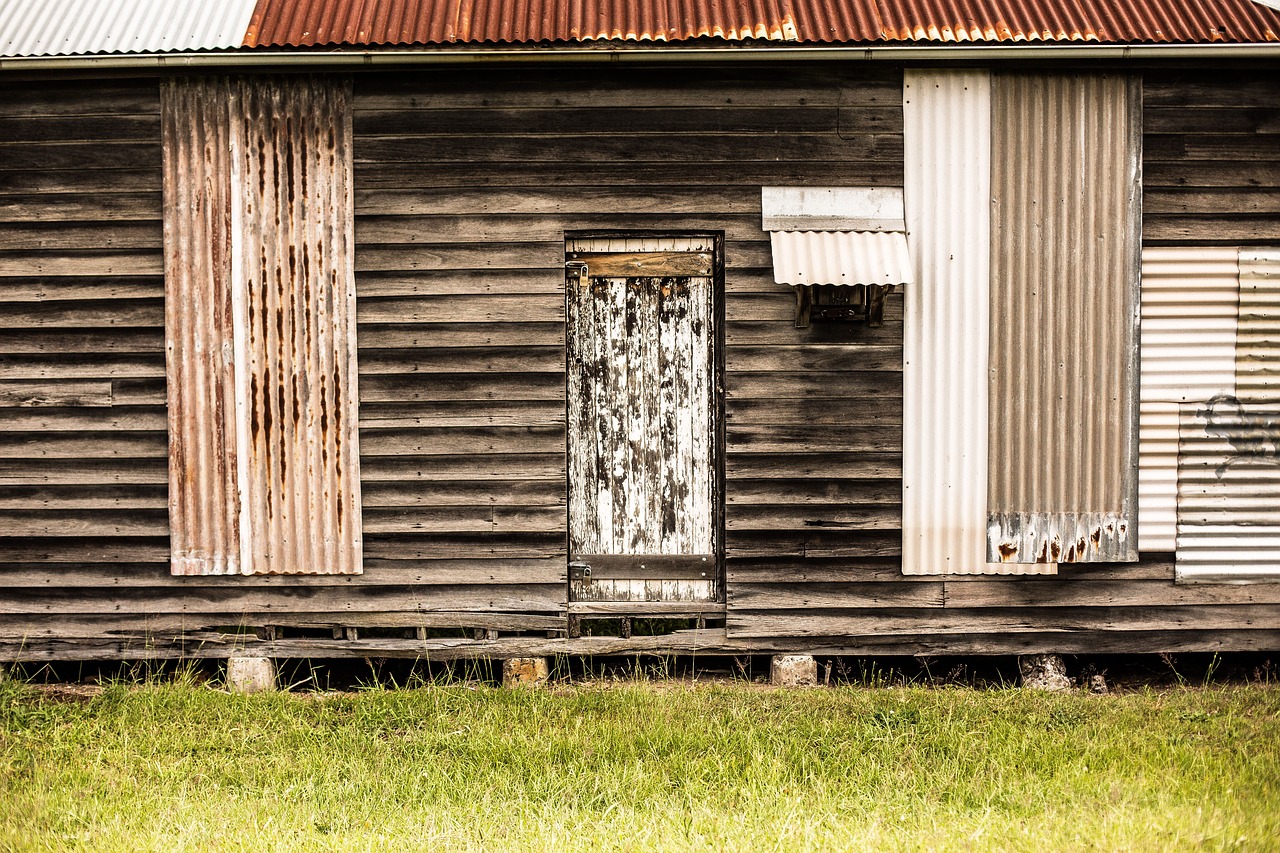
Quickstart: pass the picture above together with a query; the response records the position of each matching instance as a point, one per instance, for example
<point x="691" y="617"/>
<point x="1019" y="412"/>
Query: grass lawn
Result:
<point x="640" y="766"/>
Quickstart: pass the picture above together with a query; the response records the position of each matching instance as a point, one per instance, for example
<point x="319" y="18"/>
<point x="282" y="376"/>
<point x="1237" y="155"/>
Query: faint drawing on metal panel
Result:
<point x="1252" y="432"/>
<point x="1229" y="491"/>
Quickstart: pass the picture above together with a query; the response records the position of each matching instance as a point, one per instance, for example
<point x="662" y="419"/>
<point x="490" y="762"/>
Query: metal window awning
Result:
<point x="837" y="235"/>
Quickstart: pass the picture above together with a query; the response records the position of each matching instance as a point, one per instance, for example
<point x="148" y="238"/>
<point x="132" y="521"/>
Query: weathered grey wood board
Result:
<point x="1211" y="158"/>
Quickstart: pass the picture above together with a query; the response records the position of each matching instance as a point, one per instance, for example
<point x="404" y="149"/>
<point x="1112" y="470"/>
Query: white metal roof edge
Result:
<point x="257" y="58"/>
<point x="76" y="29"/>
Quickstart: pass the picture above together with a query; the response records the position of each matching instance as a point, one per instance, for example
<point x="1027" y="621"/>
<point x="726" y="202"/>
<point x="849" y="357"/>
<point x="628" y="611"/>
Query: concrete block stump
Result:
<point x="251" y="675"/>
<point x="793" y="671"/>
<point x="1044" y="672"/>
<point x="524" y="672"/>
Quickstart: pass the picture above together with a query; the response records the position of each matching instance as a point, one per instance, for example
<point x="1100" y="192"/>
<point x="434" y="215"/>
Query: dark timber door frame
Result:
<point x="643" y="337"/>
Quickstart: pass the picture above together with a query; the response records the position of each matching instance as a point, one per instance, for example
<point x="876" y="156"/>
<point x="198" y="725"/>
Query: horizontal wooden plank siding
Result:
<point x="83" y="473"/>
<point x="1211" y="158"/>
<point x="464" y="187"/>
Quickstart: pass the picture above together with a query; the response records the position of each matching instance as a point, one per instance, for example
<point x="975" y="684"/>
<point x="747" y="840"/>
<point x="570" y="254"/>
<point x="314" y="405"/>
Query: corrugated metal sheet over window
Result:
<point x="1258" y="335"/>
<point x="283" y="272"/>
<point x="1229" y="491"/>
<point x="406" y="22"/>
<point x="944" y="451"/>
<point x="1189" y="306"/>
<point x="836" y="235"/>
<point x="1065" y="266"/>
<point x="840" y="257"/>
<point x="69" y="27"/>
<point x="204" y="504"/>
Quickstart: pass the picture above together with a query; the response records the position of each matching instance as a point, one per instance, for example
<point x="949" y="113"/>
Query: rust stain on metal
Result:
<point x="204" y="509"/>
<point x="301" y="23"/>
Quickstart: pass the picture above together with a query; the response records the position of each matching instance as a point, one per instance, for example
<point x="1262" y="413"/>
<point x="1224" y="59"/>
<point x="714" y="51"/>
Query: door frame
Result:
<point x="718" y="443"/>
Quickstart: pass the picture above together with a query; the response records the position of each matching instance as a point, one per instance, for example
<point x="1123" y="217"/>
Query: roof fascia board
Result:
<point x="616" y="55"/>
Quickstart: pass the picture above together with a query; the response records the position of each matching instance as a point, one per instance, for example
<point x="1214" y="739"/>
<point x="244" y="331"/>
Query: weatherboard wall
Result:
<point x="464" y="186"/>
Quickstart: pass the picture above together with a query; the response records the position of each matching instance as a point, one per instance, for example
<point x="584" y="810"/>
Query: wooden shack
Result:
<point x="751" y="340"/>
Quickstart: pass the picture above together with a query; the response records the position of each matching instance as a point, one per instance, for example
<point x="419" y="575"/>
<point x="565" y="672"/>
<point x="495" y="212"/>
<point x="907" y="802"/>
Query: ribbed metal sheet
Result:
<point x="1229" y="491"/>
<point x="260" y="319"/>
<point x="296" y="273"/>
<point x="70" y="27"/>
<point x="840" y="257"/>
<point x="1189" y="304"/>
<point x="1258" y="335"/>
<point x="1229" y="444"/>
<point x="944" y="451"/>
<point x="1065" y="267"/>
<point x="407" y="22"/>
<point x="204" y="504"/>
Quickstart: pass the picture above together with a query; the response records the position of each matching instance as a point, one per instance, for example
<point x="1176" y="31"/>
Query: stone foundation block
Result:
<point x="520" y="672"/>
<point x="793" y="671"/>
<point x="1044" y="672"/>
<point x="251" y="675"/>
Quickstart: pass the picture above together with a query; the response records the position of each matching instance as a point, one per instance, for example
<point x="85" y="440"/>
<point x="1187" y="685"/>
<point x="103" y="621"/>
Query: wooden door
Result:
<point x="642" y="419"/>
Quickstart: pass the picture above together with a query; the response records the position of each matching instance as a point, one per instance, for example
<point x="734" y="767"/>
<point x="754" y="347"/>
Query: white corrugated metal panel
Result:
<point x="1258" y="331"/>
<point x="944" y="450"/>
<point x="71" y="27"/>
<point x="1189" y="305"/>
<point x="1065" y="263"/>
<point x="831" y="209"/>
<point x="1229" y="491"/>
<point x="840" y="257"/>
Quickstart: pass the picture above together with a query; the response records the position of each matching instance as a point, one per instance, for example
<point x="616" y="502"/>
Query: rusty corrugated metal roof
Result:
<point x="305" y="23"/>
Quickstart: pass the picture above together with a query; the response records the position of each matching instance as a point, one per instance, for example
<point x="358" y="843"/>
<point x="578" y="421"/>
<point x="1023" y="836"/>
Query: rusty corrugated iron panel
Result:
<point x="300" y="23"/>
<point x="296" y="277"/>
<point x="1065" y="219"/>
<point x="204" y="507"/>
<point x="947" y="315"/>
<point x="1190" y="300"/>
<point x="260" y="297"/>
<point x="1057" y="21"/>
<point x="72" y="27"/>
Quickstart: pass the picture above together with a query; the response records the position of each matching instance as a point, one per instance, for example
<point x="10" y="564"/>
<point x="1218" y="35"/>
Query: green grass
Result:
<point x="640" y="767"/>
